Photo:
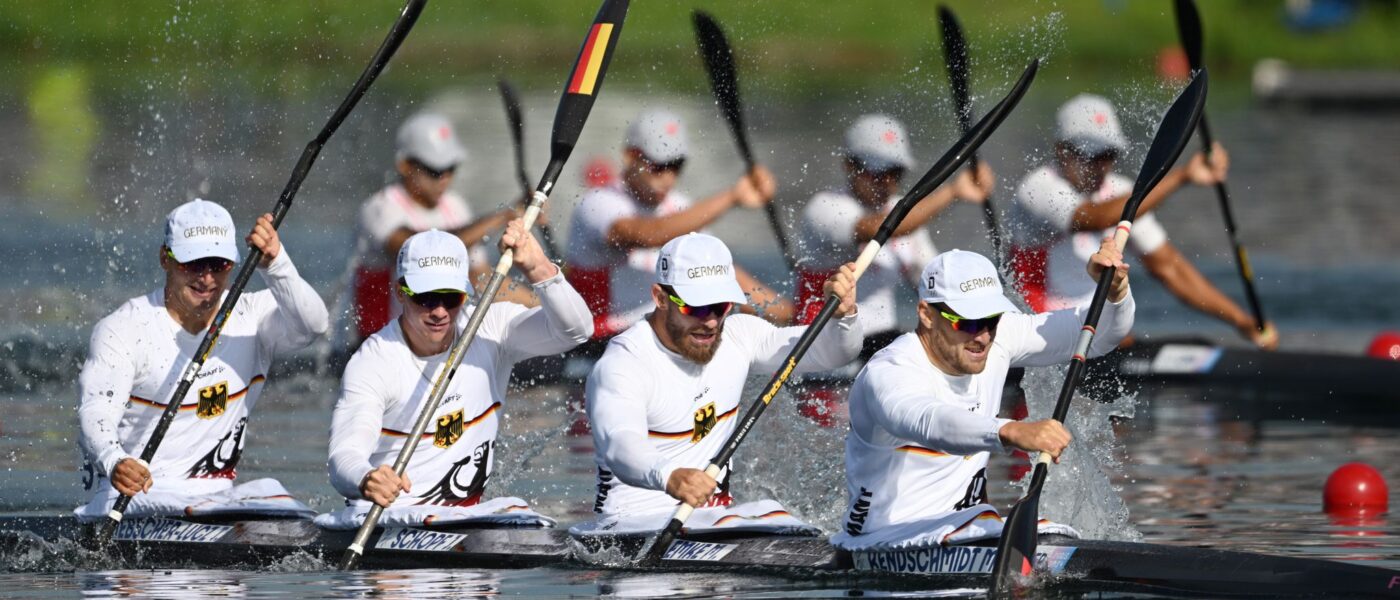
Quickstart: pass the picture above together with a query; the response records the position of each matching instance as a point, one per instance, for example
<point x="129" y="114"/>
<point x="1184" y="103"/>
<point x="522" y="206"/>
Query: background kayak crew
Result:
<point x="388" y="379"/>
<point x="923" y="410"/>
<point x="663" y="397"/>
<point x="426" y="161"/>
<point x="1062" y="208"/>
<point x="837" y="224"/>
<point x="617" y="229"/>
<point x="137" y="353"/>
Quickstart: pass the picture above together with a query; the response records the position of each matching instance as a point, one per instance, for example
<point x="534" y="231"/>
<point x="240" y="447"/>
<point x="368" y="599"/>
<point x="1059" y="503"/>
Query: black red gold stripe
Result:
<point x="922" y="451"/>
<point x="767" y="515"/>
<point x="690" y="432"/>
<point x="429" y="434"/>
<point x="257" y="379"/>
<point x="590" y="61"/>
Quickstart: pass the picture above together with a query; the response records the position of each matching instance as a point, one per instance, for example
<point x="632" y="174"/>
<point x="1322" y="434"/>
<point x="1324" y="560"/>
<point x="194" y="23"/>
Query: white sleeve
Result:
<point x="1148" y="234"/>
<point x="1047" y="198"/>
<point x="1049" y="338"/>
<point x="832" y="218"/>
<point x="299" y="316"/>
<point x="355" y="424"/>
<point x="615" y="398"/>
<point x="561" y="322"/>
<point x="379" y="219"/>
<point x="104" y="388"/>
<point x="908" y="408"/>
<point x="600" y="208"/>
<point x="836" y="346"/>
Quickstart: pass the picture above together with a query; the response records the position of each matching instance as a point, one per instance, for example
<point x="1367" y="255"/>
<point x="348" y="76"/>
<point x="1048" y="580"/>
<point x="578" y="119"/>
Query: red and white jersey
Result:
<point x="1047" y="256"/>
<point x="385" y="386"/>
<point x="828" y="230"/>
<point x="136" y="358"/>
<point x="391" y="209"/>
<point x="653" y="411"/>
<point x="615" y="282"/>
<point x="920" y="438"/>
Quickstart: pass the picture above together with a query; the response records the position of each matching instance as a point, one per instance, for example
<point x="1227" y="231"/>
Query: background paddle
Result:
<point x="407" y="17"/>
<point x="1188" y="25"/>
<point x="724" y="82"/>
<point x="580" y="89"/>
<point x="517" y="126"/>
<point x="1016" y="548"/>
<point x="955" y="58"/>
<point x="945" y="167"/>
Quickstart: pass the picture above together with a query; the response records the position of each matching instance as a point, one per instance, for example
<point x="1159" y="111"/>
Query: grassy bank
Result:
<point x="788" y="46"/>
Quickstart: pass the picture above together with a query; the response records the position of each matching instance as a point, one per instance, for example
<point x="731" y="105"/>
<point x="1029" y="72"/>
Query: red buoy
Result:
<point x="1355" y="487"/>
<point x="1386" y="345"/>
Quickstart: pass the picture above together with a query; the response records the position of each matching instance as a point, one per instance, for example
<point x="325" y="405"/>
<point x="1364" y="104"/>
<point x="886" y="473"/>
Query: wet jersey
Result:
<point x="387" y="211"/>
<point x="615" y="282"/>
<point x="385" y="386"/>
<point x="1047" y="256"/>
<point x="137" y="356"/>
<point x="653" y="411"/>
<point x="920" y="438"/>
<point x="829" y="229"/>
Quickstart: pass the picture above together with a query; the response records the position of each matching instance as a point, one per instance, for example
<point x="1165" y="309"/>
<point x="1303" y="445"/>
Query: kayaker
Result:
<point x="428" y="154"/>
<point x="837" y="224"/>
<point x="1062" y="208"/>
<point x="663" y="397"/>
<point x="138" y="352"/>
<point x="391" y="375"/>
<point x="617" y="229"/>
<point x="924" y="409"/>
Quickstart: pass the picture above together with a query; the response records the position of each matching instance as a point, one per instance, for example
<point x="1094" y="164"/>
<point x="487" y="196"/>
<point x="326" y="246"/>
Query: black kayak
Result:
<point x="1072" y="563"/>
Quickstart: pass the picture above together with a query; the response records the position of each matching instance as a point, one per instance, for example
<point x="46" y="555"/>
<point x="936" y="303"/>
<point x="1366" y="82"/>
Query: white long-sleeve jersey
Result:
<point x="385" y="386"/>
<point x="137" y="355"/>
<point x="920" y="438"/>
<point x="653" y="411"/>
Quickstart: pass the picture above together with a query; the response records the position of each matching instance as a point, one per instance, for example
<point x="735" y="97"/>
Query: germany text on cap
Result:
<point x="965" y="281"/>
<point x="200" y="229"/>
<point x="435" y="260"/>
<point x="701" y="270"/>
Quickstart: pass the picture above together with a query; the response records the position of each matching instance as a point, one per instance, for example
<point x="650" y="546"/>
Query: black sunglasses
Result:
<point x="431" y="172"/>
<point x="449" y="299"/>
<point x="657" y="168"/>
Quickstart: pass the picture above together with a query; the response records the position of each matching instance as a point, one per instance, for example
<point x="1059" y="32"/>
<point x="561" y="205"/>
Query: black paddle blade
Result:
<point x="955" y="58"/>
<point x="958" y="154"/>
<point x="517" y="130"/>
<point x="1188" y="26"/>
<point x="724" y="81"/>
<point x="584" y="83"/>
<point x="1016" y="548"/>
<point x="1173" y="133"/>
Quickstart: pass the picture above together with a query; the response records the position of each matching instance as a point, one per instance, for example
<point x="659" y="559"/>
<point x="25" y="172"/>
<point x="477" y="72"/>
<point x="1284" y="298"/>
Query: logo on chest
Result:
<point x="213" y="400"/>
<point x="704" y="422"/>
<point x="449" y="429"/>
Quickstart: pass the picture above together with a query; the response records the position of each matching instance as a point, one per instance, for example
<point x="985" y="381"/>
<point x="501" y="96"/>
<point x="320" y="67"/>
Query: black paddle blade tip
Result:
<point x="1016" y="548"/>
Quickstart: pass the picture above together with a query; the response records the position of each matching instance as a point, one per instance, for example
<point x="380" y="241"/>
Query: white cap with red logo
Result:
<point x="430" y="139"/>
<point x="659" y="135"/>
<point x="879" y="143"/>
<point x="965" y="281"/>
<point x="1089" y="124"/>
<point x="701" y="270"/>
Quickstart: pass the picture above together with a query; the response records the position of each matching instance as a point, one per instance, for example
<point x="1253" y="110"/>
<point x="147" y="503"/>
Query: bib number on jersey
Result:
<point x="213" y="400"/>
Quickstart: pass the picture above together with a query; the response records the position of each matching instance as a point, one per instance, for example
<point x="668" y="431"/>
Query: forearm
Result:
<point x="768" y="303"/>
<point x="922" y="212"/>
<point x="1115" y="323"/>
<point x="1097" y="216"/>
<point x="1187" y="284"/>
<point x="941" y="427"/>
<point x="562" y="322"/>
<point x="653" y="232"/>
<point x="475" y="232"/>
<point x="355" y="432"/>
<point x="633" y="460"/>
<point x="98" y="419"/>
<point x="836" y="346"/>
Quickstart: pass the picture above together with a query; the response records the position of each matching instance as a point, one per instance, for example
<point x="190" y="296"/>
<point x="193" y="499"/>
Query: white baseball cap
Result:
<point x="659" y="135"/>
<point x="879" y="143"/>
<point x="200" y="229"/>
<point x="430" y="139"/>
<point x="435" y="260"/>
<point x="965" y="281"/>
<point x="701" y="270"/>
<point x="1089" y="124"/>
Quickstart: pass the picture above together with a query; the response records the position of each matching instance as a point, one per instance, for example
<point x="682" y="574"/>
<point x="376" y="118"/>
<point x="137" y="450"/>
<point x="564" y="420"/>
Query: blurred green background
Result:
<point x="790" y="46"/>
